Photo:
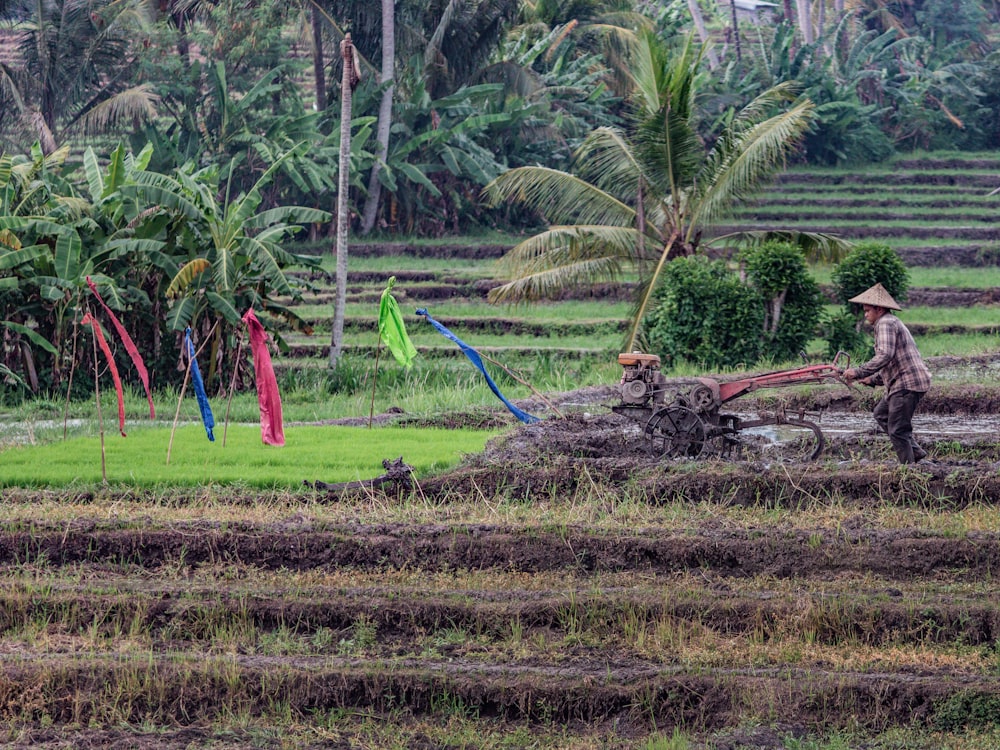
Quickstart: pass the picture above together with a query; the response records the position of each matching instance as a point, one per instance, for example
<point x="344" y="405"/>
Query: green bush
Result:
<point x="840" y="331"/>
<point x="704" y="314"/>
<point x="870" y="263"/>
<point x="791" y="297"/>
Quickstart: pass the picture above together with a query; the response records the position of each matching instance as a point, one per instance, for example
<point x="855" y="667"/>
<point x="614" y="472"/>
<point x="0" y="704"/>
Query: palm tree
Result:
<point x="384" y="112"/>
<point x="74" y="73"/>
<point x="638" y="199"/>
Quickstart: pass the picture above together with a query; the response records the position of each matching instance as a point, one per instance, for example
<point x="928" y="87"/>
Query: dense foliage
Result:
<point x="870" y="263"/>
<point x="237" y="101"/>
<point x="706" y="314"/>
<point x="791" y="297"/>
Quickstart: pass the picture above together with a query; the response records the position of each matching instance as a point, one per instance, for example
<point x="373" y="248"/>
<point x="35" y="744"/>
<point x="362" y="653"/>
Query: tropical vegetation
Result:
<point x="171" y="151"/>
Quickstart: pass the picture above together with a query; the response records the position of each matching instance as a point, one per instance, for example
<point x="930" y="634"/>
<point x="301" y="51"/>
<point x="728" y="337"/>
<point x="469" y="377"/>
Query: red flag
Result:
<point x="271" y="431"/>
<point x="130" y="347"/>
<point x="88" y="319"/>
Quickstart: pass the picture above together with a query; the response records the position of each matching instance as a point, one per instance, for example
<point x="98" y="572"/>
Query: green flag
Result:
<point x="390" y="325"/>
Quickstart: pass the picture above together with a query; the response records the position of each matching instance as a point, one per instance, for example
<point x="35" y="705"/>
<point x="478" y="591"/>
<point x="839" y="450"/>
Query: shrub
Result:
<point x="870" y="263"/>
<point x="791" y="297"/>
<point x="840" y="331"/>
<point x="704" y="314"/>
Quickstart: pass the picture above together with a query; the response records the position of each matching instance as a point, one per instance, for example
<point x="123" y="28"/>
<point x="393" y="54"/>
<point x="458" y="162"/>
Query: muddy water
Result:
<point x="935" y="427"/>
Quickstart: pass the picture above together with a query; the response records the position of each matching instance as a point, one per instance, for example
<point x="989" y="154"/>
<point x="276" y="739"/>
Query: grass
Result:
<point x="985" y="213"/>
<point x="933" y="277"/>
<point x="912" y="197"/>
<point x="332" y="454"/>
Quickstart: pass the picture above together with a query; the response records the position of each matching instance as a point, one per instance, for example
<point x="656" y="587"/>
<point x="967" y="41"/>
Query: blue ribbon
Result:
<point x="199" y="387"/>
<point x="473" y="355"/>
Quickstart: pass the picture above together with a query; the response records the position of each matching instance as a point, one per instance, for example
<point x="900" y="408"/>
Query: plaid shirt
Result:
<point x="897" y="364"/>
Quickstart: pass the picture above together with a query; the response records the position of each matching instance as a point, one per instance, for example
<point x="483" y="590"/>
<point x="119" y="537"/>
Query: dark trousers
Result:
<point x="894" y="414"/>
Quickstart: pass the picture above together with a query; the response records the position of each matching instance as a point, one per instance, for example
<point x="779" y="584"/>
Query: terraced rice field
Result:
<point x="563" y="589"/>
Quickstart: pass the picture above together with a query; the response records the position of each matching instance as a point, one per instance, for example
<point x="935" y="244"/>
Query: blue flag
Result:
<point x="199" y="387"/>
<point x="473" y="355"/>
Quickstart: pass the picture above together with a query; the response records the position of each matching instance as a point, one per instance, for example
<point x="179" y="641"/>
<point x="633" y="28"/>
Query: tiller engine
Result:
<point x="684" y="425"/>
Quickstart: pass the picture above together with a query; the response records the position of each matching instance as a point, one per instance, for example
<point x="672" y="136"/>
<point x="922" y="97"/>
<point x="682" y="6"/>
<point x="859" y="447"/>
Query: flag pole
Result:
<point x="180" y="399"/>
<point x="522" y="382"/>
<point x="187" y="374"/>
<point x="100" y="418"/>
<point x="72" y="368"/>
<point x="378" y="348"/>
<point x="232" y="387"/>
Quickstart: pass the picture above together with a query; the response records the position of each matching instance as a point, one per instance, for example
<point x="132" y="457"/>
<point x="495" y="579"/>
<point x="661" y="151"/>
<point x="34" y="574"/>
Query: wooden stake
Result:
<point x="378" y="348"/>
<point x="177" y="414"/>
<point x="522" y="382"/>
<point x="232" y="387"/>
<point x="72" y="369"/>
<point x="97" y="396"/>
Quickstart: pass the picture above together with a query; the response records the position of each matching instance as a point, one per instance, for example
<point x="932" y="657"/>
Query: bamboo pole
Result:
<point x="180" y="399"/>
<point x="72" y="370"/>
<point x="232" y="387"/>
<point x="97" y="396"/>
<point x="378" y="349"/>
<point x="523" y="382"/>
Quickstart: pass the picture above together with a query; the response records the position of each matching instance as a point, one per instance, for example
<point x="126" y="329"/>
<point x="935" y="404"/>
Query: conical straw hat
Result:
<point x="878" y="297"/>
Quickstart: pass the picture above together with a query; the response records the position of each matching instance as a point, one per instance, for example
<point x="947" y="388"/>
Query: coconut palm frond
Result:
<point x="764" y="104"/>
<point x="606" y="159"/>
<point x="37" y="124"/>
<point x="741" y="164"/>
<point x="818" y="247"/>
<point x="559" y="195"/>
<point x="666" y="140"/>
<point x="138" y="102"/>
<point x="72" y="207"/>
<point x="565" y="245"/>
<point x="555" y="281"/>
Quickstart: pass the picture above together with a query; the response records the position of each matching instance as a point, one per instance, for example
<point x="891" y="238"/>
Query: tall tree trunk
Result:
<point x="318" y="64"/>
<point x="736" y="31"/>
<point x="348" y="80"/>
<point x="805" y="21"/>
<point x="789" y="17"/>
<point x="699" y="24"/>
<point x="384" y="113"/>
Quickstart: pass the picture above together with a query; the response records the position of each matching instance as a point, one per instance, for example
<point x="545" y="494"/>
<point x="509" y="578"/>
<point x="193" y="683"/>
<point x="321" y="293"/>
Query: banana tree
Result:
<point x="223" y="255"/>
<point x="54" y="245"/>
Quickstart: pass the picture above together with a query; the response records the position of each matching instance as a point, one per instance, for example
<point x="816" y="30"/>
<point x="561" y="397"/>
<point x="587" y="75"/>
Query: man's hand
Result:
<point x="849" y="375"/>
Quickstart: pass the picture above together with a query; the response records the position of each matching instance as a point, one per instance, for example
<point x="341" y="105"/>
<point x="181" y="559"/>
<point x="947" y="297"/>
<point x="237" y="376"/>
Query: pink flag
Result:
<point x="130" y="347"/>
<point x="88" y="319"/>
<point x="271" y="431"/>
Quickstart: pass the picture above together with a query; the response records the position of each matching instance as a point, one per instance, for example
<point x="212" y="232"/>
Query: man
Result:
<point x="896" y="365"/>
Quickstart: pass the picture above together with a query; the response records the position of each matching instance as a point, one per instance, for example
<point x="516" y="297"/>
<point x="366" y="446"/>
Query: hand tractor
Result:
<point x="684" y="426"/>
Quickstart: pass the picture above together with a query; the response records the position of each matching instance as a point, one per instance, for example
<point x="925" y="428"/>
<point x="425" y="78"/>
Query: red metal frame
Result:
<point x="809" y="374"/>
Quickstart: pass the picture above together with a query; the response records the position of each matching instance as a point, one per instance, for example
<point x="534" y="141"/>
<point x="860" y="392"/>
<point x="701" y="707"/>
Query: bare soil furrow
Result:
<point x="640" y="696"/>
<point x="885" y="617"/>
<point x="893" y="554"/>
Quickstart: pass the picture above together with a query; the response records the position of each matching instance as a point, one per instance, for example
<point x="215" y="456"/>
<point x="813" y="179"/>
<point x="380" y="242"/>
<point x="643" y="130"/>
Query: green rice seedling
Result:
<point x="363" y="637"/>
<point x="676" y="740"/>
<point x="333" y="454"/>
